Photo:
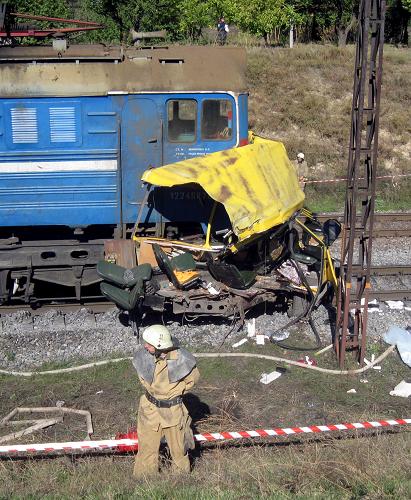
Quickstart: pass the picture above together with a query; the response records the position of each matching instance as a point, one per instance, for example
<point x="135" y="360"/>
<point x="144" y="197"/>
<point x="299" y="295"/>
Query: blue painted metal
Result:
<point x="78" y="161"/>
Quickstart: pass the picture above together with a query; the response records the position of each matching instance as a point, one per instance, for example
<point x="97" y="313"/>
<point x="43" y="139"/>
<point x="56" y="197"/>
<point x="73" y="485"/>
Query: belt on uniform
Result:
<point x="164" y="403"/>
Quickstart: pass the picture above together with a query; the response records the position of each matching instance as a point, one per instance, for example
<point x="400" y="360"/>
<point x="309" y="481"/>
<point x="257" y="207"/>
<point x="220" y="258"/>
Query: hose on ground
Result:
<point x="215" y="355"/>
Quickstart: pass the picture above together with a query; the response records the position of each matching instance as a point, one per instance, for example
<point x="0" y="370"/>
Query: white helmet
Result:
<point x="158" y="336"/>
<point x="300" y="156"/>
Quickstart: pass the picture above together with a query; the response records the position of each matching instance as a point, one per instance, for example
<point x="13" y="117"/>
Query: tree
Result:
<point x="265" y="18"/>
<point x="396" y="21"/>
<point x="194" y="15"/>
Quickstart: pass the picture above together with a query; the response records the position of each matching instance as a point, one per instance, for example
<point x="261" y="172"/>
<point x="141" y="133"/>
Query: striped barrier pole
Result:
<point x="130" y="444"/>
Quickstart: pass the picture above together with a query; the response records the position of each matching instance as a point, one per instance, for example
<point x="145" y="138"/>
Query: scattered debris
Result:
<point x="287" y="269"/>
<point x="42" y="423"/>
<point x="306" y="360"/>
<point x="212" y="290"/>
<point x="395" y="304"/>
<point x="363" y="380"/>
<point x="402" y="339"/>
<point x="280" y="336"/>
<point x="37" y="425"/>
<point x="260" y="339"/>
<point x="251" y="328"/>
<point x="403" y="389"/>
<point x="267" y="378"/>
<point x="99" y="392"/>
<point x="352" y="391"/>
<point x="369" y="363"/>
<point x="240" y="342"/>
<point x="374" y="306"/>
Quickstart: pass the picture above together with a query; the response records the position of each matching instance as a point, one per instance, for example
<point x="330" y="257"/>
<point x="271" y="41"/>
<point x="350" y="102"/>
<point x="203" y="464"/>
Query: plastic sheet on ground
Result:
<point x="403" y="389"/>
<point x="402" y="339"/>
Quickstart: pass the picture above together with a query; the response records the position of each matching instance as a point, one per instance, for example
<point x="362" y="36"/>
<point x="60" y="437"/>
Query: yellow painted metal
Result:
<point x="257" y="183"/>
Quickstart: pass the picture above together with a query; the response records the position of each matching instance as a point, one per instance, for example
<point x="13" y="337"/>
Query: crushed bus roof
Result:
<point x="257" y="184"/>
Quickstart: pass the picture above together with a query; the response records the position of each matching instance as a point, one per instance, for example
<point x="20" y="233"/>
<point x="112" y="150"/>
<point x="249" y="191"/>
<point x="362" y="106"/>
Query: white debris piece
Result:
<point x="251" y="328"/>
<point x="395" y="304"/>
<point x="352" y="391"/>
<point x="402" y="338"/>
<point x="267" y="378"/>
<point x="240" y="342"/>
<point x="212" y="290"/>
<point x="363" y="380"/>
<point x="260" y="339"/>
<point x="368" y="363"/>
<point x="279" y="336"/>
<point x="373" y="306"/>
<point x="403" y="389"/>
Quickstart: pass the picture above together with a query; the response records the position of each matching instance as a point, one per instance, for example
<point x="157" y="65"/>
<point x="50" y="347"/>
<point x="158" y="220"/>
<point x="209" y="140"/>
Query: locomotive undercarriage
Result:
<point x="36" y="269"/>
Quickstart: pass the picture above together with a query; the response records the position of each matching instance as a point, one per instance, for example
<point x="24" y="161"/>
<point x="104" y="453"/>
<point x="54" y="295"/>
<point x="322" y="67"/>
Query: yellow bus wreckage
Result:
<point x="257" y="184"/>
<point x="232" y="233"/>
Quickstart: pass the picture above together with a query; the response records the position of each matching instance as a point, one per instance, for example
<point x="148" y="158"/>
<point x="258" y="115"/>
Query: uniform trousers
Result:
<point x="146" y="462"/>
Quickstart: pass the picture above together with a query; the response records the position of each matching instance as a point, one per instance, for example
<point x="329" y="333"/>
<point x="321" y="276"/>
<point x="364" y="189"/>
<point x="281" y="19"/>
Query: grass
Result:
<point x="302" y="97"/>
<point x="228" y="397"/>
<point x="364" y="467"/>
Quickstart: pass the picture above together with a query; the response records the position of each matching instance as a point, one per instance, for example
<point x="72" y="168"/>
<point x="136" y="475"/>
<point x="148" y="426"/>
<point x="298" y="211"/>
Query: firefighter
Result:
<point x="302" y="170"/>
<point x="166" y="373"/>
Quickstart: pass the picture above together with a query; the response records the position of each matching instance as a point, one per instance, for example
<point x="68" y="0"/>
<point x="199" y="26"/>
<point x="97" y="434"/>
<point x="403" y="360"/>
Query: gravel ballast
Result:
<point x="27" y="343"/>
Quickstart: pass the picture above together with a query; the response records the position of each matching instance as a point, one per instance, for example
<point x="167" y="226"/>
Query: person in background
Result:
<point x="222" y="30"/>
<point x="166" y="372"/>
<point x="302" y="170"/>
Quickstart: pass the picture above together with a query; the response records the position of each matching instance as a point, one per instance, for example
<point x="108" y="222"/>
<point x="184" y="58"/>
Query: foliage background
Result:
<point x="186" y="20"/>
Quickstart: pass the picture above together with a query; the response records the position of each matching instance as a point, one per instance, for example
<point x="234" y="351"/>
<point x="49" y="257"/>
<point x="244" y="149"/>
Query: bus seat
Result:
<point x="121" y="276"/>
<point x="230" y="275"/>
<point x="125" y="299"/>
<point x="180" y="270"/>
<point x="309" y="254"/>
<point x="133" y="279"/>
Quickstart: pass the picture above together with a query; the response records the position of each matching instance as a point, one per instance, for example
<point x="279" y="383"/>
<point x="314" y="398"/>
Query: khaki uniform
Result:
<point x="302" y="173"/>
<point x="173" y="423"/>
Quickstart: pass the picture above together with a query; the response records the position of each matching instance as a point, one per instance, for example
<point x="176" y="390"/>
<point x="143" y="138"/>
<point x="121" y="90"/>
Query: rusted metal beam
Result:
<point x="356" y="241"/>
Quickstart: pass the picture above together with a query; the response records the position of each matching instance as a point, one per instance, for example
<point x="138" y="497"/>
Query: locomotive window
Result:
<point x="181" y="119"/>
<point x="217" y="119"/>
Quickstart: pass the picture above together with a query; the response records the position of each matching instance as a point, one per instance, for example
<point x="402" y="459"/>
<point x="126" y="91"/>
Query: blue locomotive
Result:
<point x="77" y="130"/>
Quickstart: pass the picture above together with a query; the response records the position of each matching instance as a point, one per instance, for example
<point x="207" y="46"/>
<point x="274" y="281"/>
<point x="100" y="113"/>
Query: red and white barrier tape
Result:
<point x="331" y="181"/>
<point x="131" y="444"/>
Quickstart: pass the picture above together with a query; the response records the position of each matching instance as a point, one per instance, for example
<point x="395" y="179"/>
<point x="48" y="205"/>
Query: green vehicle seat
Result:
<point x="122" y="276"/>
<point x="126" y="298"/>
<point x="230" y="275"/>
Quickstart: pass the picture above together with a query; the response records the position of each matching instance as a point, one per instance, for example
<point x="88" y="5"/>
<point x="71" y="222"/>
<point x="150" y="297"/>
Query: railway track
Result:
<point x="96" y="307"/>
<point x="400" y="226"/>
<point x="400" y="223"/>
<point x="39" y="309"/>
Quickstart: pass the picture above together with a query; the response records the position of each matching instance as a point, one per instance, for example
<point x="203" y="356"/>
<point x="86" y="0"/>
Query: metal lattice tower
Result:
<point x="354" y="285"/>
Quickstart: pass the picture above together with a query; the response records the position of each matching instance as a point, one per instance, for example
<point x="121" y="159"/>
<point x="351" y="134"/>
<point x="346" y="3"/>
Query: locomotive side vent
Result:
<point x="171" y="61"/>
<point x="24" y="125"/>
<point x="62" y="124"/>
